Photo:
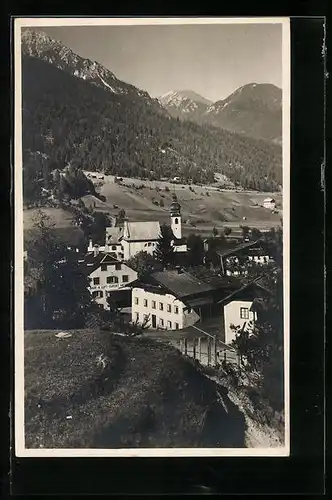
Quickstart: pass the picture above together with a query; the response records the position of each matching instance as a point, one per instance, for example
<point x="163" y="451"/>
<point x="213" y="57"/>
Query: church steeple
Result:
<point x="175" y="210"/>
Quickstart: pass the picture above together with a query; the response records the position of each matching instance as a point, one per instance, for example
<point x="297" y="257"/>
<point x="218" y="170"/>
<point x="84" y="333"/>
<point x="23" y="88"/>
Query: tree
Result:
<point x="195" y="250"/>
<point x="144" y="263"/>
<point x="97" y="230"/>
<point x="255" y="234"/>
<point x="261" y="343"/>
<point x="121" y="216"/>
<point x="164" y="252"/>
<point x="245" y="232"/>
<point x="215" y="231"/>
<point x="61" y="284"/>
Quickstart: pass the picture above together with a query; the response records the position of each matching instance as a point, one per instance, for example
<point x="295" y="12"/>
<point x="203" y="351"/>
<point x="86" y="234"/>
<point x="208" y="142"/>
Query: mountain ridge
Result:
<point x="41" y="46"/>
<point x="254" y="109"/>
<point x="68" y="118"/>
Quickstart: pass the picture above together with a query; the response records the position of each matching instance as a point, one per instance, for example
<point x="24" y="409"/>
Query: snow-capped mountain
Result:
<point x="253" y="109"/>
<point x="185" y="104"/>
<point x="38" y="44"/>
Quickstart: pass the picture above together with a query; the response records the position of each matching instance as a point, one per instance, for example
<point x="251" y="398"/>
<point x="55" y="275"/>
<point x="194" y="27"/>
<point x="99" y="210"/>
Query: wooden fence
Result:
<point x="207" y="350"/>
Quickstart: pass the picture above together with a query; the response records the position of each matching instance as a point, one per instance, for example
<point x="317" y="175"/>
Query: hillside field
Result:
<point x="144" y="394"/>
<point x="200" y="211"/>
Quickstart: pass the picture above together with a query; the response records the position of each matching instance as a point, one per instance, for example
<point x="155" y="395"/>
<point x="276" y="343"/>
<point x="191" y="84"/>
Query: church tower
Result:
<point x="175" y="210"/>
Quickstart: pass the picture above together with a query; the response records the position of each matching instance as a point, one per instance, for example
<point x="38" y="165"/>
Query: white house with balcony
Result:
<point x="107" y="275"/>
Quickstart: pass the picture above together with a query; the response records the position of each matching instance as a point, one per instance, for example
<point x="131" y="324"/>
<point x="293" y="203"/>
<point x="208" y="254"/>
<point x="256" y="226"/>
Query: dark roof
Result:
<point x="181" y="284"/>
<point x="250" y="290"/>
<point x="180" y="241"/>
<point x="239" y="248"/>
<point x="215" y="278"/>
<point x="92" y="262"/>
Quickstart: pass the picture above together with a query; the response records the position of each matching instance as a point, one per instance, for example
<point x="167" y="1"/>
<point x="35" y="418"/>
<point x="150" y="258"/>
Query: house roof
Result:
<point x="141" y="231"/>
<point x="181" y="284"/>
<point x="92" y="262"/>
<point x="239" y="248"/>
<point x="269" y="199"/>
<point x="252" y="290"/>
<point x="113" y="234"/>
<point x="216" y="279"/>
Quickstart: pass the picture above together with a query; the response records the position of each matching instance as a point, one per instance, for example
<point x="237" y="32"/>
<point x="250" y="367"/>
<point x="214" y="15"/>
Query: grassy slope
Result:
<point x="146" y="396"/>
<point x="221" y="208"/>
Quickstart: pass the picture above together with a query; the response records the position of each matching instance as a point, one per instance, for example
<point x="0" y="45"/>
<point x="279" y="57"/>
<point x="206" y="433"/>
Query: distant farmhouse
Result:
<point x="176" y="300"/>
<point x="269" y="203"/>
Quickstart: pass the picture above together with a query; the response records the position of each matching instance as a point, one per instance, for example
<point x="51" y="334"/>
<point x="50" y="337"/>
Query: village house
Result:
<point x="107" y="275"/>
<point x="205" y="300"/>
<point x="232" y="260"/>
<point x="239" y="308"/>
<point x="269" y="203"/>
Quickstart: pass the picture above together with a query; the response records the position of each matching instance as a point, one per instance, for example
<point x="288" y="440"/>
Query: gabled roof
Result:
<point x="239" y="248"/>
<point x="181" y="284"/>
<point x="92" y="262"/>
<point x="253" y="290"/>
<point x="141" y="231"/>
<point x="113" y="234"/>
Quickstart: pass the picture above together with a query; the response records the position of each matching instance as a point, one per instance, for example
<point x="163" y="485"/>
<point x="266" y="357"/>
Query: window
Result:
<point x="161" y="322"/>
<point x="176" y="309"/>
<point x="244" y="313"/>
<point x="161" y="306"/>
<point x="103" y="267"/>
<point x="125" y="278"/>
<point x="97" y="294"/>
<point x="176" y="326"/>
<point x="169" y="324"/>
<point x="145" y="303"/>
<point x="112" y="279"/>
<point x="136" y="301"/>
<point x="118" y="267"/>
<point x="149" y="244"/>
<point x="153" y="304"/>
<point x="113" y="247"/>
<point x="96" y="281"/>
<point x="169" y="308"/>
<point x="176" y="221"/>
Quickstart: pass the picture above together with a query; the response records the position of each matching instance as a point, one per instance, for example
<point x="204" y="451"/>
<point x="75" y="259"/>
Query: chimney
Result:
<point x="95" y="250"/>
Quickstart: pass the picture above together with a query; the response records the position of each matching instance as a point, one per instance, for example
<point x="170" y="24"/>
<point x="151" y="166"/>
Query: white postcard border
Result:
<point x="20" y="450"/>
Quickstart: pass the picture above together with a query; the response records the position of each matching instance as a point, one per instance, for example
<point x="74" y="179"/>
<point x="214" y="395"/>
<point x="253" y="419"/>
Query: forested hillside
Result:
<point x="71" y="120"/>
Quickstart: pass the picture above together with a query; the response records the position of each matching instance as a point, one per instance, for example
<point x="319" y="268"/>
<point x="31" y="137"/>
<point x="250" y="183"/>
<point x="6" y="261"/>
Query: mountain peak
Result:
<point x="181" y="95"/>
<point x="38" y="44"/>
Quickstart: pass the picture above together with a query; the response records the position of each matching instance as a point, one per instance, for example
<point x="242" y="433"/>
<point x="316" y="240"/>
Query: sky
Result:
<point x="212" y="60"/>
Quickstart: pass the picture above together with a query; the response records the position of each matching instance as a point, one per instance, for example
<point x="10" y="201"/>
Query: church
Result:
<point x="134" y="237"/>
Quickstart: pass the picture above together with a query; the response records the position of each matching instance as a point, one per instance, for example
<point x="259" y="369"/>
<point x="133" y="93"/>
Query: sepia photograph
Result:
<point x="151" y="179"/>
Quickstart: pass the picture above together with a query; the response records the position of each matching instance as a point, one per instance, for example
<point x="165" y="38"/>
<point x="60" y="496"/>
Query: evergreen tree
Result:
<point x="61" y="284"/>
<point x="164" y="252"/>
<point x="195" y="250"/>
